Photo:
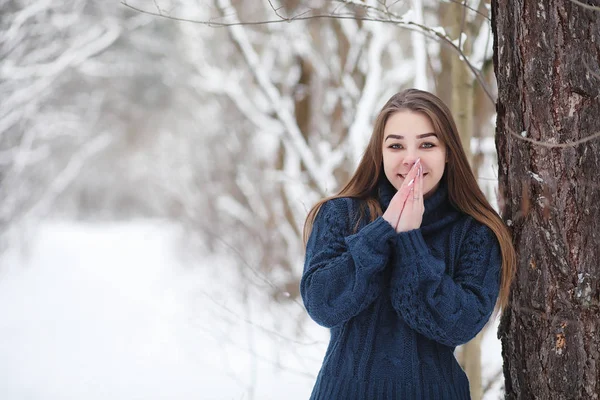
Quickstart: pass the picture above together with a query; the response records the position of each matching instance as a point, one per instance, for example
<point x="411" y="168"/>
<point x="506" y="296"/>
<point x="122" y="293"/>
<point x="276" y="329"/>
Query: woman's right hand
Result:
<point x="394" y="210"/>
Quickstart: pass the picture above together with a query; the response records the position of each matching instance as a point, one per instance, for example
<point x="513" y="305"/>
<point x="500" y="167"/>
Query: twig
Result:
<point x="215" y="24"/>
<point x="291" y="129"/>
<point x="157" y="7"/>
<point x="465" y="5"/>
<point x="275" y="10"/>
<point x="261" y="327"/>
<point x="493" y="379"/>
<point x="402" y="24"/>
<point x="474" y="70"/>
<point x="555" y="145"/>
<point x="587" y="6"/>
<point x="462" y="25"/>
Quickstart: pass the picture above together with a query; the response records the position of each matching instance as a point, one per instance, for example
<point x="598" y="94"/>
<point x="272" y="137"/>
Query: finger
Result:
<point x="405" y="190"/>
<point x="400" y="199"/>
<point x="418" y="190"/>
<point x="407" y="211"/>
<point x="421" y="194"/>
<point x="412" y="174"/>
<point x="414" y="190"/>
<point x="397" y="202"/>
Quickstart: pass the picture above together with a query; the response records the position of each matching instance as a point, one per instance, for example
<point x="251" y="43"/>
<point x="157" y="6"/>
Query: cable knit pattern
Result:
<point x="448" y="309"/>
<point x="398" y="304"/>
<point x="343" y="272"/>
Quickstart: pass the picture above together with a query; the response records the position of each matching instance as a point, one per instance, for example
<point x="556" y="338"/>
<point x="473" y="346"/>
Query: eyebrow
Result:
<point x="424" y="135"/>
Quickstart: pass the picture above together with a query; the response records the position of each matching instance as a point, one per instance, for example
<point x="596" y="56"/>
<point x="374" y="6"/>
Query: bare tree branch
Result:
<point x="468" y="7"/>
<point x="368" y="95"/>
<point x="492" y="380"/>
<point x="216" y="24"/>
<point x="283" y="114"/>
<point x="275" y="10"/>
<point x="398" y="22"/>
<point x="240" y="317"/>
<point x="157" y="7"/>
<point x="462" y="24"/>
<point x="69" y="173"/>
<point x="586" y="6"/>
<point x="225" y="339"/>
<point x="555" y="145"/>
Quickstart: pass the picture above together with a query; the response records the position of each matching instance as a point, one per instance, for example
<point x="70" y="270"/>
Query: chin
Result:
<point x="429" y="191"/>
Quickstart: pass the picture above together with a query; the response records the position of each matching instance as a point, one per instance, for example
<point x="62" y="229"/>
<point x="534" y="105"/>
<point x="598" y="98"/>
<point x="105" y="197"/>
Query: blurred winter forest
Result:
<point x="226" y="119"/>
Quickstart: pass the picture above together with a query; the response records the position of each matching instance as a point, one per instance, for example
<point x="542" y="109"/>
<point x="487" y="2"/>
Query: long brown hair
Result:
<point x="463" y="191"/>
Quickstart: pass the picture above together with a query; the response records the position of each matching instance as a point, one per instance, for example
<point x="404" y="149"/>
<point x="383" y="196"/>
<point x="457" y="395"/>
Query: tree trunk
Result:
<point x="546" y="57"/>
<point x="462" y="91"/>
<point x="463" y="82"/>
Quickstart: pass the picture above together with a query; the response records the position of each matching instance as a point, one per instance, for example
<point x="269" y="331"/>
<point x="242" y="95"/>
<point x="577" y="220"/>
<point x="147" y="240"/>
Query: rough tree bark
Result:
<point x="546" y="57"/>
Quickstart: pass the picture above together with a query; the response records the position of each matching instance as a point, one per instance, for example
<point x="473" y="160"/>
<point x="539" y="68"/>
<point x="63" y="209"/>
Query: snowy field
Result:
<point x="117" y="311"/>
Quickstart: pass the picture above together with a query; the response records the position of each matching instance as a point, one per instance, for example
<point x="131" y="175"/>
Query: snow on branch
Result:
<point x="213" y="80"/>
<point x="482" y="46"/>
<point x="419" y="48"/>
<point x="69" y="174"/>
<point x="291" y="129"/>
<point x="374" y="14"/>
<point x="95" y="41"/>
<point x="358" y="133"/>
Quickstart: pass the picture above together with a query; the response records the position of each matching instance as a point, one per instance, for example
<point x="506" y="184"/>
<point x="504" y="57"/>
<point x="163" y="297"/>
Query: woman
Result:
<point x="406" y="262"/>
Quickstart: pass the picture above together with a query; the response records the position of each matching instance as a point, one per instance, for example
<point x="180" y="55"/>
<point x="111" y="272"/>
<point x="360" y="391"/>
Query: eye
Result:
<point x="395" y="146"/>
<point x="428" y="145"/>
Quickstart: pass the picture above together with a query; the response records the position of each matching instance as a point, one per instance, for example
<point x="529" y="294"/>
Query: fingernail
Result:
<point x="411" y="182"/>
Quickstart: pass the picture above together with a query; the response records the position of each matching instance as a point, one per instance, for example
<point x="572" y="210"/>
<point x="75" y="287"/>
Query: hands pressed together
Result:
<point x="406" y="208"/>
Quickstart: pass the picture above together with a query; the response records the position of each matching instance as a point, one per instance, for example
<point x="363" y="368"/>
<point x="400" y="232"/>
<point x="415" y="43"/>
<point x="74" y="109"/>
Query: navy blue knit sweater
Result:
<point x="397" y="305"/>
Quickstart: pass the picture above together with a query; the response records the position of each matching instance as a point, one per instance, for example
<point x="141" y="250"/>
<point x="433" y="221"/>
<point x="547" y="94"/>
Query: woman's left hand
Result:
<point x="412" y="212"/>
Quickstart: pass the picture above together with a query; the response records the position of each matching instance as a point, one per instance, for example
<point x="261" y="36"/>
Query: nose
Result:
<point x="410" y="157"/>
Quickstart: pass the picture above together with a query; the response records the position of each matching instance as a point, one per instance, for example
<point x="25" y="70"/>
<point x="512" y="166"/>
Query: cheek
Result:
<point x="440" y="162"/>
<point x="388" y="161"/>
<point x="441" y="166"/>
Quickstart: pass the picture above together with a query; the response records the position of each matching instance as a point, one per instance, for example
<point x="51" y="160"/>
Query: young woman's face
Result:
<point x="407" y="136"/>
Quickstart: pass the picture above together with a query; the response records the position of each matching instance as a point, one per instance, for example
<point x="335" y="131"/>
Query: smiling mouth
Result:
<point x="404" y="176"/>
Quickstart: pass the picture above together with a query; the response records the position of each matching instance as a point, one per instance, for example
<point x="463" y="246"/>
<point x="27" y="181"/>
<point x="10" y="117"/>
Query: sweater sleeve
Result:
<point x="343" y="271"/>
<point x="448" y="310"/>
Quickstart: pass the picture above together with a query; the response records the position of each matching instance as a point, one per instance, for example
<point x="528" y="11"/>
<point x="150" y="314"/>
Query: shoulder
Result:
<point x="339" y="209"/>
<point x="477" y="237"/>
<point x="346" y="214"/>
<point x="336" y="205"/>
<point x="474" y="227"/>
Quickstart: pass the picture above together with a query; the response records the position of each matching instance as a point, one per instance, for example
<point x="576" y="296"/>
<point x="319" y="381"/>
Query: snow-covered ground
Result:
<point x="117" y="311"/>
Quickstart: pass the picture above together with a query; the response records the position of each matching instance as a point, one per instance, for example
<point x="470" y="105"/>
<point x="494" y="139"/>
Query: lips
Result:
<point x="404" y="176"/>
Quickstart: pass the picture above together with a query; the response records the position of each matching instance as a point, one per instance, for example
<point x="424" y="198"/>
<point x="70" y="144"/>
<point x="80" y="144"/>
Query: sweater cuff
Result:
<point x="411" y="244"/>
<point x="377" y="234"/>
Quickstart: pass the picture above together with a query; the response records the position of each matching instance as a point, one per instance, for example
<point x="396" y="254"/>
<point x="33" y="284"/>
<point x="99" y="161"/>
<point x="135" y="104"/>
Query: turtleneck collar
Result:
<point x="438" y="210"/>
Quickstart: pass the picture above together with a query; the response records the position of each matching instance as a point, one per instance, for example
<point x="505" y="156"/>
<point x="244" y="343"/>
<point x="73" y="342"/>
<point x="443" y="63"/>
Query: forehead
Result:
<point x="408" y="124"/>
